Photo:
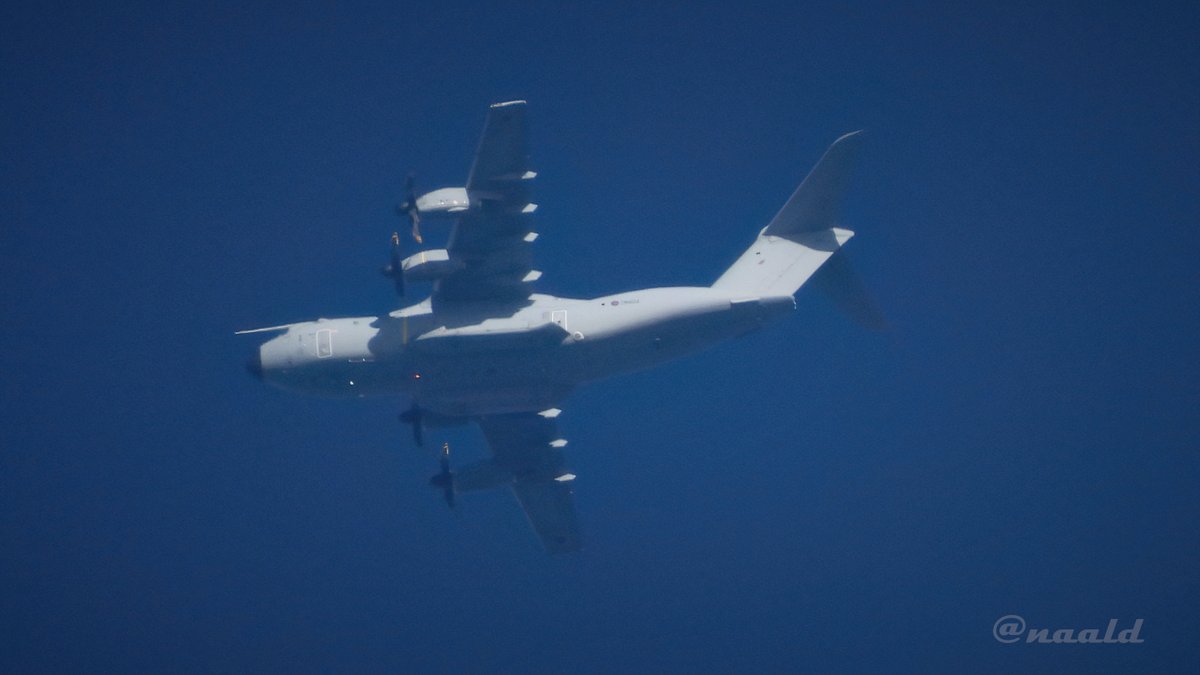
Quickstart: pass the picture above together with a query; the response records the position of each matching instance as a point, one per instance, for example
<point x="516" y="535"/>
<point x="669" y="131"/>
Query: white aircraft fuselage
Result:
<point x="485" y="348"/>
<point x="455" y="364"/>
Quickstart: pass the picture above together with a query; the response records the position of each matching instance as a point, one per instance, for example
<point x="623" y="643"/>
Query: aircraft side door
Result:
<point x="324" y="344"/>
<point x="318" y="343"/>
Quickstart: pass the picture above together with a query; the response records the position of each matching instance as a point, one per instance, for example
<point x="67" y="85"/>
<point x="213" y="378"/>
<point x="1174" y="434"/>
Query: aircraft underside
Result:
<point x="485" y="348"/>
<point x="512" y="371"/>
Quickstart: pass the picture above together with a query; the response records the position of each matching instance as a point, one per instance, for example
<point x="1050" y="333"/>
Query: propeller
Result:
<point x="414" y="416"/>
<point x="394" y="270"/>
<point x="409" y="208"/>
<point x="445" y="478"/>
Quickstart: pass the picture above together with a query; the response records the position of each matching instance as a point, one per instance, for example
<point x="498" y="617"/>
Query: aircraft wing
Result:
<point x="492" y="239"/>
<point x="527" y="446"/>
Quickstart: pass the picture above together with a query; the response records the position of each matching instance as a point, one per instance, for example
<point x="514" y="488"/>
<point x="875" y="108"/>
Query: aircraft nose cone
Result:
<point x="254" y="365"/>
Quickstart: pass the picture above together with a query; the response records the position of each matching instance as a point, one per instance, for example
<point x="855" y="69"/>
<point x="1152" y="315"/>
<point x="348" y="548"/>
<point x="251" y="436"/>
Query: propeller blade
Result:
<point x="414" y="417"/>
<point x="448" y="486"/>
<point x="414" y="217"/>
<point x="409" y="208"/>
<point x="445" y="479"/>
<point x="394" y="270"/>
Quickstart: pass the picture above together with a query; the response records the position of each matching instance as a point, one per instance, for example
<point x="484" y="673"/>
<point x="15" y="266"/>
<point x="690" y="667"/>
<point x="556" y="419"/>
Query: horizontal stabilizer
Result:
<point x="781" y="265"/>
<point x="842" y="285"/>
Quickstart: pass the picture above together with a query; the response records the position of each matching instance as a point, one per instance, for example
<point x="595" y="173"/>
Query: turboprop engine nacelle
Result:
<point x="445" y="201"/>
<point x="429" y="265"/>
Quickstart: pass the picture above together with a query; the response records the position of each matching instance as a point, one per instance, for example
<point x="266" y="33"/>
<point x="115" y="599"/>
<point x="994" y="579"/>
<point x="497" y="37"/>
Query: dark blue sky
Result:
<point x="814" y="497"/>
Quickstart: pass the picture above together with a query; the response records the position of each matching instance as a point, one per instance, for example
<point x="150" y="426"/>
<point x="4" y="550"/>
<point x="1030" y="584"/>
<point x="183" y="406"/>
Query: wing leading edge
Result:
<point x="527" y="446"/>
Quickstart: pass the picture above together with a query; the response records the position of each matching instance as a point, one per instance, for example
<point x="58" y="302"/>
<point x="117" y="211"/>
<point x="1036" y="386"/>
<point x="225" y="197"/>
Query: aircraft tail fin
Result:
<point x="814" y="205"/>
<point x="803" y="235"/>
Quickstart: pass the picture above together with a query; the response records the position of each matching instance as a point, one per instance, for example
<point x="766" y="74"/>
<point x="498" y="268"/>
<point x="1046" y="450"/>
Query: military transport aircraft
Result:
<point x="485" y="348"/>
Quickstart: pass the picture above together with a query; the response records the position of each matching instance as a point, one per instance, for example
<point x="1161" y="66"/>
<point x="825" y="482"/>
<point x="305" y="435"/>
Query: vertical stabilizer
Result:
<point x="803" y="235"/>
<point x="815" y="204"/>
